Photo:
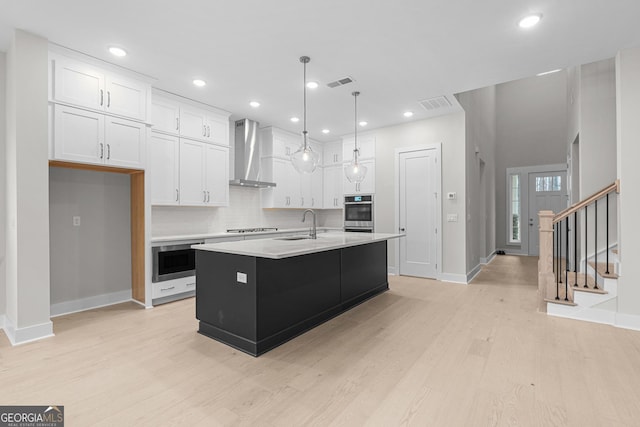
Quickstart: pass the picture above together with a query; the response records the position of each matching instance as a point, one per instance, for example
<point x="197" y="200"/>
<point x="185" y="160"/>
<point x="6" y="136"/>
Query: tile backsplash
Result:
<point x="244" y="211"/>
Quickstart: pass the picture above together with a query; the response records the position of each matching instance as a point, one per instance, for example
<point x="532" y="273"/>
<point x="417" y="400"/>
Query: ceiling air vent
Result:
<point x="340" y="82"/>
<point x="435" y="103"/>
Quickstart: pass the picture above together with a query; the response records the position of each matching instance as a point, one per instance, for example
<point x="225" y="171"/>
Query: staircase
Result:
<point x="579" y="280"/>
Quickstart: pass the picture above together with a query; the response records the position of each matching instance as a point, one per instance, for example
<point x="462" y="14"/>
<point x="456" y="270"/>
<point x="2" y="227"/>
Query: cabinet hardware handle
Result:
<point x="108" y="151"/>
<point x="101" y="97"/>
<point x="313" y="201"/>
<point x="208" y="197"/>
<point x="177" y="123"/>
<point x="204" y="130"/>
<point x="177" y="194"/>
<point x="101" y="150"/>
<point x="301" y="201"/>
<point x="167" y="289"/>
<point x="204" y="199"/>
<point x="108" y="99"/>
<point x="208" y="131"/>
<point x="191" y="284"/>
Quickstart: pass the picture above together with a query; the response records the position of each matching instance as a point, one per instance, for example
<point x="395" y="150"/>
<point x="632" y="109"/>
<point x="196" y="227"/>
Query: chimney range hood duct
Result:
<point x="247" y="156"/>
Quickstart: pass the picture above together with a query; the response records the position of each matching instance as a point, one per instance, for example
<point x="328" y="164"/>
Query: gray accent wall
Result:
<point x="94" y="258"/>
<point x="531" y="130"/>
<point x="480" y="124"/>
<point x="3" y="183"/>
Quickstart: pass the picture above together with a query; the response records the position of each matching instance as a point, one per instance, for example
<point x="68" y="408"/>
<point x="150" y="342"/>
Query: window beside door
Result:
<point x="515" y="207"/>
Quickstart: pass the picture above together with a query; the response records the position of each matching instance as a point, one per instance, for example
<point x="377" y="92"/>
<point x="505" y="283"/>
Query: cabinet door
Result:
<point x="78" y="84"/>
<point x="126" y="97"/>
<point x="305" y="180"/>
<point x="217" y="175"/>
<point x="316" y="189"/>
<point x="217" y="129"/>
<point x="367" y="186"/>
<point x="281" y="176"/>
<point x="333" y="187"/>
<point x="332" y="153"/>
<point x="366" y="147"/>
<point x="165" y="116"/>
<point x="164" y="154"/>
<point x="192" y="190"/>
<point x="192" y="123"/>
<point x="125" y="143"/>
<point x="78" y="135"/>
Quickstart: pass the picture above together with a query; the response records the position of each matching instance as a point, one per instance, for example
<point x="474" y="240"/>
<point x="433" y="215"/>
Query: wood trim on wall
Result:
<point x="137" y="220"/>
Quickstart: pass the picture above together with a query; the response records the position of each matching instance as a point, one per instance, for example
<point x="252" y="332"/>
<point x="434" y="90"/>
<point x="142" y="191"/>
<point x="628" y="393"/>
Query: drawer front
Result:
<point x="173" y="287"/>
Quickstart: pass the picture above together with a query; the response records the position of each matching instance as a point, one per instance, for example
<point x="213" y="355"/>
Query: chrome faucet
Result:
<point x="312" y="232"/>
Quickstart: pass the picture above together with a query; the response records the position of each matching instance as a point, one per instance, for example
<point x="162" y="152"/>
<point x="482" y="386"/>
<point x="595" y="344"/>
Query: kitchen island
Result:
<point x="255" y="295"/>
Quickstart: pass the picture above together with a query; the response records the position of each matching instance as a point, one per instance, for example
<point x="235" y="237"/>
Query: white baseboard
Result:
<point x="487" y="260"/>
<point x="453" y="278"/>
<point x="27" y="334"/>
<point x="392" y="271"/>
<point x="473" y="273"/>
<point x="83" y="304"/>
<point x="628" y="321"/>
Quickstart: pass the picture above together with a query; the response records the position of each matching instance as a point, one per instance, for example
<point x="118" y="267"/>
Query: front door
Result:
<point x="547" y="191"/>
<point x="419" y="191"/>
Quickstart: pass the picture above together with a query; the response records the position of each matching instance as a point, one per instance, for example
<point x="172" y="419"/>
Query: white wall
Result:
<point x="3" y="171"/>
<point x="531" y="130"/>
<point x="628" y="153"/>
<point x="27" y="198"/>
<point x="480" y="109"/>
<point x="244" y="211"/>
<point x="449" y="131"/>
<point x="94" y="258"/>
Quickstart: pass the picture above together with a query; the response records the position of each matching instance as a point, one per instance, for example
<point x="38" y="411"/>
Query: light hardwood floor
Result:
<point x="426" y="353"/>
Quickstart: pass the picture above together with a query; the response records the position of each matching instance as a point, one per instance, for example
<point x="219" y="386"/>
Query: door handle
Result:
<point x="402" y="229"/>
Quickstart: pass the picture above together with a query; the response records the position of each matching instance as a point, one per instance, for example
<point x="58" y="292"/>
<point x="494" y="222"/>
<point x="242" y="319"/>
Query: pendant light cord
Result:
<point x="304" y="60"/>
<point x="355" y="123"/>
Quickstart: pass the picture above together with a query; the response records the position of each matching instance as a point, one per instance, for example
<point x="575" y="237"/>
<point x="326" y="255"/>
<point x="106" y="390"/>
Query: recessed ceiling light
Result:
<point x="408" y="113"/>
<point x="548" y="72"/>
<point x="363" y="123"/>
<point x="254" y="104"/>
<point x="199" y="83"/>
<point x="117" y="51"/>
<point x="312" y="85"/>
<point x="530" y="20"/>
<point x="295" y="119"/>
<point x="325" y="131"/>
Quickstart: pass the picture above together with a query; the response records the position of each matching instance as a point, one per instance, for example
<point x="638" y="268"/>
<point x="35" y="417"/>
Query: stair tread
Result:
<point x="591" y="290"/>
<point x="602" y="270"/>
<point x="615" y="251"/>
<point x="561" y="302"/>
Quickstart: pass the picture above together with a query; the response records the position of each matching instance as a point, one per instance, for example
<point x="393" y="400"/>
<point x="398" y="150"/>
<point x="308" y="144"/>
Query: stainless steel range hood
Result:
<point x="247" y="156"/>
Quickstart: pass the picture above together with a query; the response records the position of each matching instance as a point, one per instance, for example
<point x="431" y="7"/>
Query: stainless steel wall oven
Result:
<point x="358" y="213"/>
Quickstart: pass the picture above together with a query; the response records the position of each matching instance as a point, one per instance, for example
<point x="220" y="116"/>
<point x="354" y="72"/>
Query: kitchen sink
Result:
<point x="293" y="238"/>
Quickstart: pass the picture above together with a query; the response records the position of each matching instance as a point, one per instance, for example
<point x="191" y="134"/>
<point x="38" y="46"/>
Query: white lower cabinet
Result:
<point x="332" y="187"/>
<point x="173" y="287"/>
<point x="367" y="186"/>
<point x="87" y="137"/>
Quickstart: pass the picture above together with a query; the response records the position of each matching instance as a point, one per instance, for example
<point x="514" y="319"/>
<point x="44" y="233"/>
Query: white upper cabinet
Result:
<point x="164" y="168"/>
<point x="367" y="186"/>
<point x="217" y="175"/>
<point x="366" y="147"/>
<point x="332" y="153"/>
<point x="165" y="115"/>
<point x="87" y="137"/>
<point x="332" y="187"/>
<point x="189" y="121"/>
<point x="79" y="84"/>
<point x="192" y="190"/>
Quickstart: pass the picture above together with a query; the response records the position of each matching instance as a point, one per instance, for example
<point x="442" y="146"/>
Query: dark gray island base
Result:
<point x="282" y="298"/>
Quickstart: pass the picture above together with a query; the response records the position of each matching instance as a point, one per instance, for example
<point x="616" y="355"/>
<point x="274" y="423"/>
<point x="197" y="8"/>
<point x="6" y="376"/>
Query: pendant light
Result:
<point x="355" y="171"/>
<point x="305" y="160"/>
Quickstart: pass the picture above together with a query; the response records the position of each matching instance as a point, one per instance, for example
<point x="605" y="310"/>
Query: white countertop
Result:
<point x="276" y="248"/>
<point x="222" y="234"/>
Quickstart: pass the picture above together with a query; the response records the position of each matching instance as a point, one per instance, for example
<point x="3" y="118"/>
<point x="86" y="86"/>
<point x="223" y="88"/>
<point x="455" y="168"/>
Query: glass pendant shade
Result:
<point x="355" y="171"/>
<point x="305" y="160"/>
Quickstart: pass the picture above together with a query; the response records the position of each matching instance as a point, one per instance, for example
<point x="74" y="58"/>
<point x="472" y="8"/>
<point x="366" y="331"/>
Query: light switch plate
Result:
<point x="241" y="277"/>
<point x="451" y="195"/>
<point x="76" y="221"/>
<point x="452" y="217"/>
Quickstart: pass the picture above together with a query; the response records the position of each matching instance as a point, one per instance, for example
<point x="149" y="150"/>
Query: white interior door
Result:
<point x="418" y="196"/>
<point x="547" y="191"/>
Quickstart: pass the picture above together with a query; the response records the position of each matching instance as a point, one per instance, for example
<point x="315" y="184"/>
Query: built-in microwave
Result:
<point x="173" y="261"/>
<point x="358" y="213"/>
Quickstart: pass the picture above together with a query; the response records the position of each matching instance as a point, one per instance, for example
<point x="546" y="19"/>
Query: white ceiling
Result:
<point x="398" y="52"/>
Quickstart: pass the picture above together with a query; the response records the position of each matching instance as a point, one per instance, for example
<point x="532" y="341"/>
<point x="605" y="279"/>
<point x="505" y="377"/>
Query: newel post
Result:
<point x="546" y="279"/>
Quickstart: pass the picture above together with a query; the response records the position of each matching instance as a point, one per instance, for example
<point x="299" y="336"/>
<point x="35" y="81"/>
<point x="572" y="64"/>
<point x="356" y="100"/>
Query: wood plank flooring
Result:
<point x="426" y="353"/>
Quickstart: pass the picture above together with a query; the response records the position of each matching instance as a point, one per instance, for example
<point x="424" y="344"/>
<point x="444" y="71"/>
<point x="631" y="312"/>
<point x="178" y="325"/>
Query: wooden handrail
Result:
<point x="577" y="206"/>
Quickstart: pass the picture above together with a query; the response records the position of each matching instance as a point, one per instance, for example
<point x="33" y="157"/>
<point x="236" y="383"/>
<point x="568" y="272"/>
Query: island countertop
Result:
<point x="277" y="248"/>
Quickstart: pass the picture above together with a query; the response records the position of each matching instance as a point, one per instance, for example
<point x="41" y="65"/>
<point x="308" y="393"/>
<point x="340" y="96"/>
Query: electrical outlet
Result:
<point x="452" y="217"/>
<point x="241" y="277"/>
<point x="76" y="221"/>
